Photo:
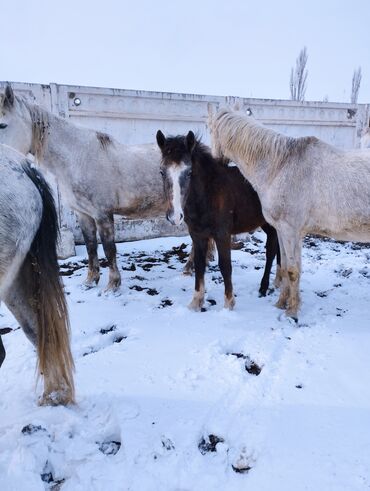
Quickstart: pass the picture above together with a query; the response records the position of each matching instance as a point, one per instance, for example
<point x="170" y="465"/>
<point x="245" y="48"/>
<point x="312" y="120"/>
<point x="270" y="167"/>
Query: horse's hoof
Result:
<point x="195" y="306"/>
<point x="88" y="286"/>
<point x="61" y="398"/>
<point x="108" y="291"/>
<point x="262" y="293"/>
<point x="229" y="303"/>
<point x="292" y="315"/>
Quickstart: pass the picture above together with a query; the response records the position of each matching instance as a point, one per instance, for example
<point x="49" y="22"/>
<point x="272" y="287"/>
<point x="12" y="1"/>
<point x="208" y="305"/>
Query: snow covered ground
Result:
<point x="164" y="398"/>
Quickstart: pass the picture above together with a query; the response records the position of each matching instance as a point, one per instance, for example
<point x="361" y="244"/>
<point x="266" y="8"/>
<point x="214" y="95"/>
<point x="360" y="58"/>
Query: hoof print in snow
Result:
<point x="365" y="272"/>
<point x="167" y="443"/>
<point x="344" y="272"/>
<point x="105" y="330"/>
<point x="118" y="338"/>
<point x="48" y="478"/>
<point x="210" y="444"/>
<point x="132" y="267"/>
<point x="299" y="386"/>
<point x="340" y="312"/>
<point x="251" y="366"/>
<point x="31" y="429"/>
<point x="322" y="294"/>
<point x="166" y="302"/>
<point x="244" y="463"/>
<point x="242" y="470"/>
<point x="109" y="448"/>
<point x="152" y="291"/>
<point x="211" y="302"/>
<point x="90" y="352"/>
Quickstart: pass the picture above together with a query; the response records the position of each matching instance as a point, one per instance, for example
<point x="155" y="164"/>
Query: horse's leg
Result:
<point x="271" y="251"/>
<point x="88" y="228"/>
<point x="294" y="266"/>
<point x="189" y="266"/>
<point x="277" y="281"/>
<point x="292" y="245"/>
<point x="282" y="275"/>
<point x="223" y="244"/>
<point x="200" y="246"/>
<point x="106" y="232"/>
<point x="210" y="251"/>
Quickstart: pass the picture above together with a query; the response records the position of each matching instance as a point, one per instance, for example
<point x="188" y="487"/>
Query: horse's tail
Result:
<point x="55" y="360"/>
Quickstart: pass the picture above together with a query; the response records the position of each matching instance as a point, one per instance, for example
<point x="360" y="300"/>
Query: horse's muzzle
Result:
<point x="175" y="220"/>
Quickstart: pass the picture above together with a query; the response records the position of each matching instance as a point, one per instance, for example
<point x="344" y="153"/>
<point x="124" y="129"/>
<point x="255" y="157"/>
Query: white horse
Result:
<point x="304" y="184"/>
<point x="98" y="176"/>
<point x="29" y="273"/>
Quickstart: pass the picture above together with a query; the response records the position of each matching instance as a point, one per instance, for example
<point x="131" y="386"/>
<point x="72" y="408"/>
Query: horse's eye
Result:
<point x="161" y="172"/>
<point x="3" y="126"/>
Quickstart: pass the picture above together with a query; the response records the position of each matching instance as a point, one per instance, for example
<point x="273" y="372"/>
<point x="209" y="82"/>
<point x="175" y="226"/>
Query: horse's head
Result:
<point x="15" y="122"/>
<point x="176" y="170"/>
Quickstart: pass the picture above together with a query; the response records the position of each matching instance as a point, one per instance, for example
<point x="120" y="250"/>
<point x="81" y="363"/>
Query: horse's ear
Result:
<point x="190" y="141"/>
<point x="9" y="97"/>
<point x="161" y="139"/>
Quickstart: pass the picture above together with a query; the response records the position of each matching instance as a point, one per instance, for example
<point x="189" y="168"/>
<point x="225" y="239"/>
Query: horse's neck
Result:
<point x="257" y="172"/>
<point x="201" y="183"/>
<point x="59" y="145"/>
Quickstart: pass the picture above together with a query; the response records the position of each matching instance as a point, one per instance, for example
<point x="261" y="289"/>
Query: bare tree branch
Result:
<point x="298" y="77"/>
<point x="356" y="82"/>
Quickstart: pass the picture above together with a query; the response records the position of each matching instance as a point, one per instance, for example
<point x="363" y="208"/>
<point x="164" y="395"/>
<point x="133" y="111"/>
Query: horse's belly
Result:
<point x="358" y="233"/>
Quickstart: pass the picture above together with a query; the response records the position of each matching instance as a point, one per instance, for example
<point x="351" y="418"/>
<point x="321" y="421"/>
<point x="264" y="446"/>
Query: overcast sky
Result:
<point x="232" y="47"/>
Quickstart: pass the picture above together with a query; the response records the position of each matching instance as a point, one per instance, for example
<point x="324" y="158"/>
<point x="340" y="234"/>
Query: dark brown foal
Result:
<point x="215" y="201"/>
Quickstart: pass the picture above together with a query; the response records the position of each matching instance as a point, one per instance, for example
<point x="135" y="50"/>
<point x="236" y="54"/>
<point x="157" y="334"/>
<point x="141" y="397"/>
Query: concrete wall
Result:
<point x="135" y="116"/>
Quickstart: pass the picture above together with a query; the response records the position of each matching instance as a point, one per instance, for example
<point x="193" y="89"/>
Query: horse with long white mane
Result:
<point x="305" y="186"/>
<point x="98" y="175"/>
<point x="29" y="272"/>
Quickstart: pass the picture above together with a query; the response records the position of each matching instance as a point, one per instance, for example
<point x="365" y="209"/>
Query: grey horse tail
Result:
<point x="53" y="336"/>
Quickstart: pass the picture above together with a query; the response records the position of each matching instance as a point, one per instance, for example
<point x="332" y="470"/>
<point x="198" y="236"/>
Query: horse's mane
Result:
<point x="40" y="125"/>
<point x="243" y="136"/>
<point x="203" y="152"/>
<point x="40" y="121"/>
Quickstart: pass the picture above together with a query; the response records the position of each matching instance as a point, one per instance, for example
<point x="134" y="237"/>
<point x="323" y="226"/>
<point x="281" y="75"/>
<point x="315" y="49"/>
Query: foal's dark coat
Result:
<point x="217" y="203"/>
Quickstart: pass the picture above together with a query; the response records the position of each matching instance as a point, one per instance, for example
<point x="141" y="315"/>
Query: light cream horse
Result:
<point x="98" y="176"/>
<point x="305" y="186"/>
